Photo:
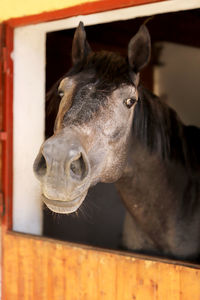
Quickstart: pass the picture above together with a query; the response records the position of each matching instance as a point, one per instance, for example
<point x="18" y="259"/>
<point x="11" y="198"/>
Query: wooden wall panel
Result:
<point x="44" y="269"/>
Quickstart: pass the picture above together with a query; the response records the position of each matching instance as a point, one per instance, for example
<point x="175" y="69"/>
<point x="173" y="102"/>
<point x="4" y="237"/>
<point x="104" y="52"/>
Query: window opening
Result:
<point x="100" y="219"/>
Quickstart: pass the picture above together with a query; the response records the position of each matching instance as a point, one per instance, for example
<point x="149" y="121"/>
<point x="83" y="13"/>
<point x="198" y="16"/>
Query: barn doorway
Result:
<point x="100" y="221"/>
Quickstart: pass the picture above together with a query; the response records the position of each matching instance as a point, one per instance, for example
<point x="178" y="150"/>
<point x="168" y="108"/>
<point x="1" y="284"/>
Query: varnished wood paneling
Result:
<point x="44" y="269"/>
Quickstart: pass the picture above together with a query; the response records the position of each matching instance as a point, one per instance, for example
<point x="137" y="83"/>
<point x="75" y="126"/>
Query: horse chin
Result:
<point x="64" y="207"/>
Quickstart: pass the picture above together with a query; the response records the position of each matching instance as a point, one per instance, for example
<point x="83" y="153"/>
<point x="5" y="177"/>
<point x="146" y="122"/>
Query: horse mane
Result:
<point x="158" y="128"/>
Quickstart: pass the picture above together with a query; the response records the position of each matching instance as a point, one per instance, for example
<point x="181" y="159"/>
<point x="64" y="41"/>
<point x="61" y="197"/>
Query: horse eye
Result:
<point x="129" y="102"/>
<point x="60" y="93"/>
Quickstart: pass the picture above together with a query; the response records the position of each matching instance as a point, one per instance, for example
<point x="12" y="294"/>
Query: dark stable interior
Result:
<point x="99" y="221"/>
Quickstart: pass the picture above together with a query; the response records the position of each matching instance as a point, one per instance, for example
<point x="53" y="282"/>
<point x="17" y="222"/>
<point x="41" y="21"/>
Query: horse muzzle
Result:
<point x="63" y="169"/>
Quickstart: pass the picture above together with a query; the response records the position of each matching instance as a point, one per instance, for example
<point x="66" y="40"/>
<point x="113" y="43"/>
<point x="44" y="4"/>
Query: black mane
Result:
<point x="158" y="127"/>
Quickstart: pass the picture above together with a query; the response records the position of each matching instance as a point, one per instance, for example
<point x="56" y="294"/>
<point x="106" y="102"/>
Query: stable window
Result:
<point x="42" y="54"/>
<point x="100" y="220"/>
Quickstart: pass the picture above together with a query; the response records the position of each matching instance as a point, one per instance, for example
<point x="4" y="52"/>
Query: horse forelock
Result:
<point x="109" y="67"/>
<point x="99" y="75"/>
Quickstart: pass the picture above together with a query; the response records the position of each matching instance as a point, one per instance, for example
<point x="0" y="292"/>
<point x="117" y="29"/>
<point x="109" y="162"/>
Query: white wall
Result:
<point x="178" y="80"/>
<point x="29" y="94"/>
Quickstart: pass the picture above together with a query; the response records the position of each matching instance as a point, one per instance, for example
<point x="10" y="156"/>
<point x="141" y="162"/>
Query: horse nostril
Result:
<point x="40" y="166"/>
<point x="78" y="168"/>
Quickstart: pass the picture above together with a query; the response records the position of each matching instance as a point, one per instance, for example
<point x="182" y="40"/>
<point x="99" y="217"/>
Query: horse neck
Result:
<point x="148" y="178"/>
<point x="160" y="185"/>
<point x="158" y="168"/>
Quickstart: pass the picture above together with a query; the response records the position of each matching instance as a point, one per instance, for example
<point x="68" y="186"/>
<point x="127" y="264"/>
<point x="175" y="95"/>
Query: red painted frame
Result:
<point x="83" y="9"/>
<point x="7" y="31"/>
<point x="7" y="123"/>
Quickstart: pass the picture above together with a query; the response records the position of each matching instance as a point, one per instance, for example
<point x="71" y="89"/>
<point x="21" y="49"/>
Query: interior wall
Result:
<point x="98" y="222"/>
<point x="176" y="80"/>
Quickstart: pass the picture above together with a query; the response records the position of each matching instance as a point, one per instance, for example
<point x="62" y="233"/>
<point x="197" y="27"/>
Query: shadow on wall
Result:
<point x="98" y="222"/>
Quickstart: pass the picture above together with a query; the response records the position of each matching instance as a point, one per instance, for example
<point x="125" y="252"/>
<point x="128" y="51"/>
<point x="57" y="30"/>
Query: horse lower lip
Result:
<point x="62" y="203"/>
<point x="64" y="207"/>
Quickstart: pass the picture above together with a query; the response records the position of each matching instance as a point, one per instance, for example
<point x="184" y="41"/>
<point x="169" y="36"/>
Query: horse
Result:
<point x="109" y="128"/>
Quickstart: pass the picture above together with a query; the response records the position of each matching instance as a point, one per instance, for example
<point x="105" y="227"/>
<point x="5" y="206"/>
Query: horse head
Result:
<point x="92" y="132"/>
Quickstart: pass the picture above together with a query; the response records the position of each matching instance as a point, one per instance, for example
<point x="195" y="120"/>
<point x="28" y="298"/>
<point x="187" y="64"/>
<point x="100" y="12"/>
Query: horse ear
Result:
<point x="139" y="49"/>
<point x="80" y="46"/>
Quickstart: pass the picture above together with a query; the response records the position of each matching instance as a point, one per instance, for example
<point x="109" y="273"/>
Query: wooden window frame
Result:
<point x="6" y="84"/>
<point x="6" y="78"/>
